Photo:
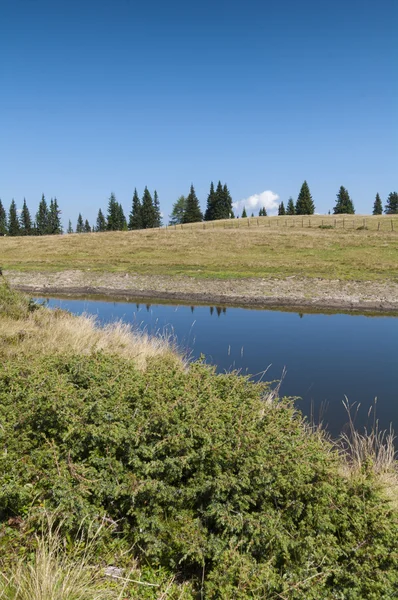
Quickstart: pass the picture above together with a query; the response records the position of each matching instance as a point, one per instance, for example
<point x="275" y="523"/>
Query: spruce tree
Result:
<point x="80" y="224"/>
<point x="70" y="228"/>
<point x="113" y="213"/>
<point x="121" y="223"/>
<point x="290" y="209"/>
<point x="281" y="209"/>
<point x="344" y="204"/>
<point x="227" y="202"/>
<point x="101" y="222"/>
<point x="391" y="207"/>
<point x="3" y="220"/>
<point x="210" y="206"/>
<point x="54" y="219"/>
<point x="263" y="212"/>
<point x="377" y="206"/>
<point x="87" y="227"/>
<point x="156" y="206"/>
<point x="177" y="214"/>
<point x="25" y="220"/>
<point x="148" y="215"/>
<point x="192" y="213"/>
<point x="13" y="221"/>
<point x="244" y="213"/>
<point x="42" y="217"/>
<point x="305" y="204"/>
<point x="135" y="218"/>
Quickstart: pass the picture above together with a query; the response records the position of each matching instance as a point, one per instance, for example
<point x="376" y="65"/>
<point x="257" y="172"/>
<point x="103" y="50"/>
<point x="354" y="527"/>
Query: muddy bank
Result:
<point x="297" y="292"/>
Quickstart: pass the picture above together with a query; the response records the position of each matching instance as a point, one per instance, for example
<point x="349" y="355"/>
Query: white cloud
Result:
<point x="267" y="200"/>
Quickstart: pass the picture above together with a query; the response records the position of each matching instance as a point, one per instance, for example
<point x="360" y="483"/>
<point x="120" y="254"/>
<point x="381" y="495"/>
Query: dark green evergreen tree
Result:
<point x="377" y="206"/>
<point x="391" y="207"/>
<point x="42" y="217"/>
<point x="3" y="220"/>
<point x="148" y="215"/>
<point x="87" y="226"/>
<point x="113" y="216"/>
<point x="156" y="206"/>
<point x="305" y="204"/>
<point x="54" y="218"/>
<point x="262" y="212"/>
<point x="244" y="213"/>
<point x="121" y="219"/>
<point x="13" y="221"/>
<point x="25" y="220"/>
<point x="101" y="222"/>
<point x="290" y="210"/>
<point x="70" y="228"/>
<point x="344" y="204"/>
<point x="281" y="209"/>
<point x="135" y="219"/>
<point x="177" y="214"/>
<point x="211" y="204"/>
<point x="80" y="224"/>
<point x="192" y="213"/>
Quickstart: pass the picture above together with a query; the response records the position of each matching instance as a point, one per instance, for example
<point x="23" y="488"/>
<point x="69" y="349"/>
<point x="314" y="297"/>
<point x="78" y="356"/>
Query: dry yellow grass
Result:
<point x="267" y="246"/>
<point x="57" y="332"/>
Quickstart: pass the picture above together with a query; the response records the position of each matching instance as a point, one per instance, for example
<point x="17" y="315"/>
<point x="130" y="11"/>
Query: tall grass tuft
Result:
<point x="54" y="574"/>
<point x="373" y="449"/>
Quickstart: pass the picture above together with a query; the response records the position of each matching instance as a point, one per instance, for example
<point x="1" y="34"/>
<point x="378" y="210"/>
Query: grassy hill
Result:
<point x="350" y="248"/>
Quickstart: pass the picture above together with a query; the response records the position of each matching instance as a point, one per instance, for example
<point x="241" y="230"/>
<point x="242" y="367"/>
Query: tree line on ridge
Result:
<point x="145" y="212"/>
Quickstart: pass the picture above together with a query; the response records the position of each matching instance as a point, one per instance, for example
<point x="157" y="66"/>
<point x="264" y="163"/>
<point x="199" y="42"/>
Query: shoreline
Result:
<point x="290" y="293"/>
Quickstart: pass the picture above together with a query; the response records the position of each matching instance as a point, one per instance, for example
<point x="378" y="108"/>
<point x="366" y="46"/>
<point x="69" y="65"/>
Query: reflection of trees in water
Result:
<point x="301" y="315"/>
<point x="219" y="310"/>
<point x="148" y="307"/>
<point x="192" y="309"/>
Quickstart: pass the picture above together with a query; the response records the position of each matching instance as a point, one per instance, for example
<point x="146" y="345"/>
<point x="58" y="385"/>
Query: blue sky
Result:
<point x="105" y="96"/>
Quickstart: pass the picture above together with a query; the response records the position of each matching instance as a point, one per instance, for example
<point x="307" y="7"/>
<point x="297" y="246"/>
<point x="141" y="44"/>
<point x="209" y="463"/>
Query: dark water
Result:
<point x="326" y="357"/>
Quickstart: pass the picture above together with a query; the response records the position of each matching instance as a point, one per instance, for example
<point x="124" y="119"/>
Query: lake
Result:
<point x="326" y="356"/>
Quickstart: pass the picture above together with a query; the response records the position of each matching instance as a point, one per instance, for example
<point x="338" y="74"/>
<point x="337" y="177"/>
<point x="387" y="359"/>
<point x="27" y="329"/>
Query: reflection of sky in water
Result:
<point x="326" y="356"/>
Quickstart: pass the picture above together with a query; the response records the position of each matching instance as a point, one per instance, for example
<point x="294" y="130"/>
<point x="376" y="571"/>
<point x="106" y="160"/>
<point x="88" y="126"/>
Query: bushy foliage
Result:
<point x="203" y="477"/>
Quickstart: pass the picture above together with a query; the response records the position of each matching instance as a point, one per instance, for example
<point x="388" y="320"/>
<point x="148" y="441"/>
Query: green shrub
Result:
<point x="13" y="304"/>
<point x="204" y="478"/>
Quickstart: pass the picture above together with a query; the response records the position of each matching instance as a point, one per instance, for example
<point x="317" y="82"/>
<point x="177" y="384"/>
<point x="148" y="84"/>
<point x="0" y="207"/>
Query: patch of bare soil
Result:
<point x="293" y="291"/>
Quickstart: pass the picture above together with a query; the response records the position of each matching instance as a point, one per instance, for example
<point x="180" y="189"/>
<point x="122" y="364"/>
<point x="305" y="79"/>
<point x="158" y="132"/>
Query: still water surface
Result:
<point x="326" y="357"/>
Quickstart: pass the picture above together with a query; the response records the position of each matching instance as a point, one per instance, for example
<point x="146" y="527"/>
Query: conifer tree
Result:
<point x="80" y="224"/>
<point x="70" y="228"/>
<point x="244" y="213"/>
<point x="281" y="209"/>
<point x="3" y="220"/>
<point x="290" y="209"/>
<point x="101" y="222"/>
<point x="156" y="206"/>
<point x="42" y="217"/>
<point x="13" y="221"/>
<point x="391" y="207"/>
<point x="113" y="213"/>
<point x="177" y="214"/>
<point x="210" y="206"/>
<point x="262" y="212"/>
<point x="54" y="219"/>
<point x="227" y="202"/>
<point x="305" y="204"/>
<point x="192" y="213"/>
<point x="121" y="219"/>
<point x="377" y="206"/>
<point x="135" y="218"/>
<point x="148" y="215"/>
<point x="25" y="220"/>
<point x="87" y="227"/>
<point x="344" y="204"/>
